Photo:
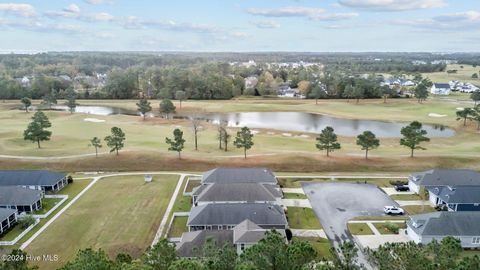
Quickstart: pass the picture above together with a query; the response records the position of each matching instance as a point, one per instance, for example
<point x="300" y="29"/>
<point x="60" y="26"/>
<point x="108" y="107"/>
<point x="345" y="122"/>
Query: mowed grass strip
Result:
<point x="178" y="227"/>
<point x="118" y="214"/>
<point x="406" y="197"/>
<point x="359" y="229"/>
<point x="297" y="183"/>
<point x="302" y="218"/>
<point x="389" y="227"/>
<point x="294" y="196"/>
<point x="321" y="245"/>
<point x="418" y="209"/>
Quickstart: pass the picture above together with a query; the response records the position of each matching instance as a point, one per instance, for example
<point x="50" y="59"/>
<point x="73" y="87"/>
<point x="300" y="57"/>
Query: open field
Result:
<point x="463" y="74"/>
<point x="297" y="183"/>
<point x="145" y="147"/>
<point x="302" y="218"/>
<point x="118" y="214"/>
<point x="321" y="245"/>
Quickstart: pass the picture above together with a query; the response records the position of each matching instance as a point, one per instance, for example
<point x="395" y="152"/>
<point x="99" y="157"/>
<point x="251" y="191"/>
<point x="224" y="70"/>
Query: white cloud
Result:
<point x="460" y="21"/>
<point x="73" y="12"/>
<point x="24" y="10"/>
<point x="132" y="22"/>
<point x="266" y="24"/>
<point x="72" y="8"/>
<point x="460" y="16"/>
<point x="317" y="14"/>
<point x="393" y="5"/>
<point x="99" y="2"/>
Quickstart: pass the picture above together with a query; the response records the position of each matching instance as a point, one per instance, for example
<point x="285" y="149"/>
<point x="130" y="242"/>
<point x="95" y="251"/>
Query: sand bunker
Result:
<point x="437" y="115"/>
<point x="94" y="120"/>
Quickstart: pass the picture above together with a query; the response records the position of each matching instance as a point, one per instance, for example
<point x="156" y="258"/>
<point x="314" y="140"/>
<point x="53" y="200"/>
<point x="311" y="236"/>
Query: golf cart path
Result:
<point x="94" y="181"/>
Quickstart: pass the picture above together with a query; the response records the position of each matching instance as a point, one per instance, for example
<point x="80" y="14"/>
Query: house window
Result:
<point x="242" y="247"/>
<point x="476" y="240"/>
<point x="476" y="204"/>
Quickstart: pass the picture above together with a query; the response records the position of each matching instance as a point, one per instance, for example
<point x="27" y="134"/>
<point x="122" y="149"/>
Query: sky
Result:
<point x="240" y="26"/>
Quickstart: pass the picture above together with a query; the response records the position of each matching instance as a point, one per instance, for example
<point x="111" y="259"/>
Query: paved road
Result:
<point x="336" y="203"/>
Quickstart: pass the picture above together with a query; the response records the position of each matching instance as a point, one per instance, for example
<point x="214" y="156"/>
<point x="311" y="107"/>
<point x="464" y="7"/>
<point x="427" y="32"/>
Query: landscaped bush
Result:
<point x="394" y="228"/>
<point x="69" y="179"/>
<point x="26" y="221"/>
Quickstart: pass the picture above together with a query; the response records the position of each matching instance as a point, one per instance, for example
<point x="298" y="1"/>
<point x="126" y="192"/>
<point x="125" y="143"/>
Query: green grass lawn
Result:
<point x="406" y="197"/>
<point x="359" y="229"/>
<point x="321" y="245"/>
<point x="463" y="74"/>
<point x="302" y="218"/>
<point x="192" y="184"/>
<point x="381" y="218"/>
<point x="12" y="234"/>
<point x="418" y="209"/>
<point x="383" y="228"/>
<point x="47" y="204"/>
<point x="118" y="214"/>
<point x="179" y="226"/>
<point x="294" y="196"/>
<point x="470" y="253"/>
<point x="297" y="183"/>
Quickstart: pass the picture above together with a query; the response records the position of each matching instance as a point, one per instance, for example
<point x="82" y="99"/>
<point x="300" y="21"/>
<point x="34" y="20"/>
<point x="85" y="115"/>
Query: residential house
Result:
<point x="225" y="216"/>
<point x="237" y="193"/>
<point x="251" y="82"/>
<point x="8" y="218"/>
<point x="39" y="180"/>
<point x="239" y="175"/>
<point x="440" y="89"/>
<point x="423" y="228"/>
<point x="443" y="177"/>
<point x="241" y="237"/>
<point x="455" y="198"/>
<point x="20" y="198"/>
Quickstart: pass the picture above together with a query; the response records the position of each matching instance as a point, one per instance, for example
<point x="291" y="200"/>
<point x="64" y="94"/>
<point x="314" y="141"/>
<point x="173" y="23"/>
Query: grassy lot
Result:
<point x="12" y="234"/>
<point x="145" y="147"/>
<point x="321" y="245"/>
<point x="418" y="209"/>
<point x="381" y="218"/>
<point x="302" y="218"/>
<point x="294" y="196"/>
<point x="359" y="229"/>
<point x="192" y="184"/>
<point x="406" y="197"/>
<point x="470" y="253"/>
<point x="47" y="204"/>
<point x="118" y="214"/>
<point x="182" y="204"/>
<point x="384" y="228"/>
<point x="296" y="183"/>
<point x="179" y="226"/>
<point x="463" y="74"/>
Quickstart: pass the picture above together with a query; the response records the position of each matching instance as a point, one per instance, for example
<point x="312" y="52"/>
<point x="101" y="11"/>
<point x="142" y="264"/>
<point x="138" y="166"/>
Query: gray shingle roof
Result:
<point x="30" y="178"/>
<point x="238" y="192"/>
<point x="457" y="194"/>
<point x="444" y="177"/>
<point x="263" y="214"/>
<point x="239" y="175"/>
<point x="13" y="195"/>
<point x="249" y="232"/>
<point x="5" y="213"/>
<point x="192" y="242"/>
<point x="465" y="223"/>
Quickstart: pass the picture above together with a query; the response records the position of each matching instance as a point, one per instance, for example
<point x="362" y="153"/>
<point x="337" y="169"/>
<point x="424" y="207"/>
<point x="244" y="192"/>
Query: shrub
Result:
<point x="394" y="228"/>
<point x="26" y="221"/>
<point x="69" y="179"/>
<point x="398" y="183"/>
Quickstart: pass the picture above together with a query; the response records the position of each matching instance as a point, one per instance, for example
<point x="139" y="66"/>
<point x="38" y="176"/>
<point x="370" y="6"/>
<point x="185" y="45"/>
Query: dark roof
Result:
<point x="30" y="178"/>
<point x="5" y="213"/>
<point x="249" y="232"/>
<point x="442" y="85"/>
<point x="192" y="243"/>
<point x="239" y="175"/>
<point x="238" y="192"/>
<point x="444" y="177"/>
<point x="262" y="214"/>
<point x="464" y="223"/>
<point x="13" y="195"/>
<point x="457" y="194"/>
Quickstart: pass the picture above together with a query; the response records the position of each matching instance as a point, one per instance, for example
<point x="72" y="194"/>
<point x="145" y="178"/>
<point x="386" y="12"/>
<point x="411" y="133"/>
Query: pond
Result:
<point x="287" y="121"/>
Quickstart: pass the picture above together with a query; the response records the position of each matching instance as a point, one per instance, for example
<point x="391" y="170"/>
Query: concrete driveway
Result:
<point x="336" y="203"/>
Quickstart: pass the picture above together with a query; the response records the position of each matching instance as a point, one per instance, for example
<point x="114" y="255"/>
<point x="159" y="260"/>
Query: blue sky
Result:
<point x="242" y="25"/>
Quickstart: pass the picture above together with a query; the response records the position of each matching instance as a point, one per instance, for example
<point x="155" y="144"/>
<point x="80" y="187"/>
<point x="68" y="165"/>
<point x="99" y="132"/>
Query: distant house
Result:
<point x="251" y="82"/>
<point x="443" y="178"/>
<point x="455" y="198"/>
<point x="241" y="237"/>
<point x="8" y="217"/>
<point x="237" y="193"/>
<point x="39" y="180"/>
<point x="20" y="199"/>
<point x="225" y="216"/>
<point x="239" y="175"/>
<point x="440" y="89"/>
<point x="423" y="228"/>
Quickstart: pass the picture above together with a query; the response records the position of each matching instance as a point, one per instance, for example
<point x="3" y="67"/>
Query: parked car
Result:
<point x="402" y="188"/>
<point x="393" y="210"/>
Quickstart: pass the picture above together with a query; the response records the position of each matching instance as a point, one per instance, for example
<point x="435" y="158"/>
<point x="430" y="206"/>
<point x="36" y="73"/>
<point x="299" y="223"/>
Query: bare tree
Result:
<point x="222" y="125"/>
<point x="196" y="128"/>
